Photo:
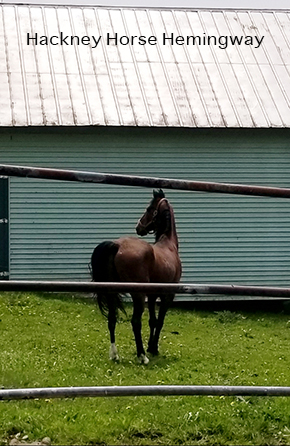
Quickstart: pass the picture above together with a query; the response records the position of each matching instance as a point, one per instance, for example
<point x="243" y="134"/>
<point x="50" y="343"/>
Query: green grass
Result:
<point x="56" y="340"/>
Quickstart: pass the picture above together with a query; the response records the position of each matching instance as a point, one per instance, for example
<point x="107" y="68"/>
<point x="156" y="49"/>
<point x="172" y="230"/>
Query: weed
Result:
<point x="227" y="317"/>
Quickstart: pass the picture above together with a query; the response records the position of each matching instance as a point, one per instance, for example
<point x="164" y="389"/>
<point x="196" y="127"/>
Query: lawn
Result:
<point x="62" y="340"/>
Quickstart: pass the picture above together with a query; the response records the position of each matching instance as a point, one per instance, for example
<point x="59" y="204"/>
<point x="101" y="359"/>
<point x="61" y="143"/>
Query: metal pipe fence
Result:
<point x="155" y="288"/>
<point x="127" y="180"/>
<point x="132" y="391"/>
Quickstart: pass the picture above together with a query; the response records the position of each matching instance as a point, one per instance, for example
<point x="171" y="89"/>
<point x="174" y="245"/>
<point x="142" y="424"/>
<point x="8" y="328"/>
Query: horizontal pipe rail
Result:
<point x="127" y="180"/>
<point x="129" y="391"/>
<point x="153" y="288"/>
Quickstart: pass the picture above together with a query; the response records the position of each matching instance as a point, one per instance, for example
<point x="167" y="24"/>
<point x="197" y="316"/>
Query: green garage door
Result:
<point x="54" y="226"/>
<point x="4" y="258"/>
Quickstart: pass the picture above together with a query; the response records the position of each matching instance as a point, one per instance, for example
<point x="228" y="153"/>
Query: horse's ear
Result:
<point x="158" y="193"/>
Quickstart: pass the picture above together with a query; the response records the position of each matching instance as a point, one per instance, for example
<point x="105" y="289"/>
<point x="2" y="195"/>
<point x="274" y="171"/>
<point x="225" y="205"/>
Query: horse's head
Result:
<point x="147" y="223"/>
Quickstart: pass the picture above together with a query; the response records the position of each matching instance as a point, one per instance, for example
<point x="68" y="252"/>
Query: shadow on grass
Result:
<point x="250" y="306"/>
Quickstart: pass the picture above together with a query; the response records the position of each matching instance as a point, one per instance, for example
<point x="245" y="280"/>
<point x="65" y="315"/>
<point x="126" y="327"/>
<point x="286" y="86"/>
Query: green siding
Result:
<point x="4" y="229"/>
<point x="54" y="226"/>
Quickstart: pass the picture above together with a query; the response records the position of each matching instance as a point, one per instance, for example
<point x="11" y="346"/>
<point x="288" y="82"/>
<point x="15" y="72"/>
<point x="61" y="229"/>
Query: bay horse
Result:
<point x="131" y="259"/>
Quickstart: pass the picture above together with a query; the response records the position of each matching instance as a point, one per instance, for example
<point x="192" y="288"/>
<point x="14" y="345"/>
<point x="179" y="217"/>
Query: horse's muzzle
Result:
<point x="140" y="229"/>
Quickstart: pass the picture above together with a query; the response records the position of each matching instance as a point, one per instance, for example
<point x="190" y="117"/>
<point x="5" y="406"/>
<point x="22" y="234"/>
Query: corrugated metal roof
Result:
<point x="69" y="79"/>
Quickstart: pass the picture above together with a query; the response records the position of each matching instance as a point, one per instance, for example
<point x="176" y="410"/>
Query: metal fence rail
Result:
<point x="127" y="180"/>
<point x="161" y="288"/>
<point x="129" y="391"/>
<point x="155" y="288"/>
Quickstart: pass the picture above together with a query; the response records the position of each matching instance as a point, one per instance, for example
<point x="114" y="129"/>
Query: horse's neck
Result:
<point x="173" y="234"/>
<point x="168" y="233"/>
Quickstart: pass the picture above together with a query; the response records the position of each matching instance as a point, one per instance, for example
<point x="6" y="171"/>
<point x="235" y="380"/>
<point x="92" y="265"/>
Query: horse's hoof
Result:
<point x="153" y="351"/>
<point x="113" y="354"/>
<point x="142" y="359"/>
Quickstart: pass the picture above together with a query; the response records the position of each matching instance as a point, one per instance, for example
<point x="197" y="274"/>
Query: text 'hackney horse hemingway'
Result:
<point x="131" y="259"/>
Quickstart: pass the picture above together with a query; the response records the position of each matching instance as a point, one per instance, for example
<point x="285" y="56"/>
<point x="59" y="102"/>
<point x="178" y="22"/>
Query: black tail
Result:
<point x="103" y="270"/>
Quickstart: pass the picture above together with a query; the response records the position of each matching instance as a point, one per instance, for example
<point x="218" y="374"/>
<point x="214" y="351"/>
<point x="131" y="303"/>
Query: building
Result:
<point x="188" y="94"/>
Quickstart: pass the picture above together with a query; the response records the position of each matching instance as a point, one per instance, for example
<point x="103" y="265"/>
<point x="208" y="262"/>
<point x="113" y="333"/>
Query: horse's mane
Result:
<point x="164" y="224"/>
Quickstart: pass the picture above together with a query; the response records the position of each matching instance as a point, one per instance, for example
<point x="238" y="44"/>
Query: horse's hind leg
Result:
<point x="136" y="321"/>
<point x="112" y="320"/>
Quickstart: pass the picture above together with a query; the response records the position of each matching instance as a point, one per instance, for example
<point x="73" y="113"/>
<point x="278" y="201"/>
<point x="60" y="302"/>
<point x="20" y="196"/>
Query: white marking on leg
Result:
<point x="114" y="352"/>
<point x="142" y="359"/>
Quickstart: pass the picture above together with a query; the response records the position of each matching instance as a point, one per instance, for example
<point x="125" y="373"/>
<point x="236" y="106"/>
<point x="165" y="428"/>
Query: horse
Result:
<point x="131" y="259"/>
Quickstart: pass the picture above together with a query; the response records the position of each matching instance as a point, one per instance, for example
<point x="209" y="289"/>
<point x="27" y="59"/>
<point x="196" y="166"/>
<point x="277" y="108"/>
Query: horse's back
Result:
<point x="138" y="261"/>
<point x="134" y="259"/>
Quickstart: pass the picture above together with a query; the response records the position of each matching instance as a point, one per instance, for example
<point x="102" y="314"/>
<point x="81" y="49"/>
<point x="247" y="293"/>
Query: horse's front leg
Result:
<point x="136" y="321"/>
<point x="166" y="301"/>
<point x="152" y="323"/>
